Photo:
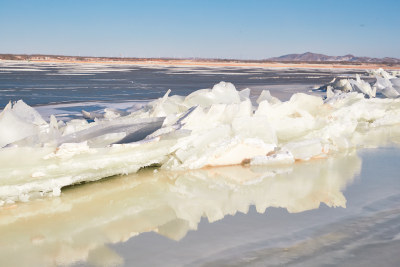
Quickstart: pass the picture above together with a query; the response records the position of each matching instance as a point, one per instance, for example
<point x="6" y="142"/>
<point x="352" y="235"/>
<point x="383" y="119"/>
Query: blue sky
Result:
<point x="248" y="29"/>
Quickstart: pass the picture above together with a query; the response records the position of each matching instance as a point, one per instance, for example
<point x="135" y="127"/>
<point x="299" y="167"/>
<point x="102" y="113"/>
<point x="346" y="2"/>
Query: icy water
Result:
<point x="341" y="210"/>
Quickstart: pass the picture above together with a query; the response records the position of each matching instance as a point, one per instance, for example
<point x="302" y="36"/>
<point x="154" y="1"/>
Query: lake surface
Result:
<point x="343" y="210"/>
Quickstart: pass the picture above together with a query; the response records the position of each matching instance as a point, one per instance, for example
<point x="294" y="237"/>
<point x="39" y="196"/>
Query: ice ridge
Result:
<point x="210" y="127"/>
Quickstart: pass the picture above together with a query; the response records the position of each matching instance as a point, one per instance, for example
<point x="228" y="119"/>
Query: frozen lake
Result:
<point x="340" y="210"/>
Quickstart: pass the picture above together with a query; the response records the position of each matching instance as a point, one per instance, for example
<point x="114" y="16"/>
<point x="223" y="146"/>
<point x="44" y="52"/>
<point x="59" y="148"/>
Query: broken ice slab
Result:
<point x="133" y="130"/>
<point x="18" y="121"/>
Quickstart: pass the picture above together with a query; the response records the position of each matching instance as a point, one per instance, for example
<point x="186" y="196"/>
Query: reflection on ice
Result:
<point x="210" y="127"/>
<point x="78" y="225"/>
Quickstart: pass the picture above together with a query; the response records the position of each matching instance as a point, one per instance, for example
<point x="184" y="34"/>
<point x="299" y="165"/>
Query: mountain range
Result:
<point x="313" y="57"/>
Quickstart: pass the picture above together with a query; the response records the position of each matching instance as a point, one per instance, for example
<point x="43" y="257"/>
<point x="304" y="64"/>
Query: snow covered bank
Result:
<point x="210" y="127"/>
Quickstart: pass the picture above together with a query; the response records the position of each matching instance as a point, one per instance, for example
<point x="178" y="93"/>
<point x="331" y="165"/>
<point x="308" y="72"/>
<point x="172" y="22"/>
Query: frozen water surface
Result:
<point x="220" y="176"/>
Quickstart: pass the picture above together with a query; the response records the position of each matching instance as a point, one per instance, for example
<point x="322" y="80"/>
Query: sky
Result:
<point x="247" y="29"/>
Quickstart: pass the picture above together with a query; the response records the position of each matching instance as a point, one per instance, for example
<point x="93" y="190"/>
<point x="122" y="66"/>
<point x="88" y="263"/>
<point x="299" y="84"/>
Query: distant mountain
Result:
<point x="309" y="57"/>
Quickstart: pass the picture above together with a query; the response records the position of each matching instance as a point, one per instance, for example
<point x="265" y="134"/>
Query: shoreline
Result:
<point x="221" y="64"/>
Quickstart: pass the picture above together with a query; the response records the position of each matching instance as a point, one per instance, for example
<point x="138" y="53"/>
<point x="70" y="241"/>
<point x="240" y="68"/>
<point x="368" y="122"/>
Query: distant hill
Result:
<point x="313" y="57"/>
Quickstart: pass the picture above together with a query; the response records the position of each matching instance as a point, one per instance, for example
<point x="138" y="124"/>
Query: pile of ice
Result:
<point x="210" y="127"/>
<point x="387" y="85"/>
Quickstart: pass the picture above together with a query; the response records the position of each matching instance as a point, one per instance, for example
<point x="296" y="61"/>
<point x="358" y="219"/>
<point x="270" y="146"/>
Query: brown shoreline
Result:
<point x="224" y="64"/>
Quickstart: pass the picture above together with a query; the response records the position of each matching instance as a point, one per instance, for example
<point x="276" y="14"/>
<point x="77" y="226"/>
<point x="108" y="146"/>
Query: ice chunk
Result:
<point x="27" y="113"/>
<point x="336" y="84"/>
<point x="254" y="127"/>
<point x="307" y="149"/>
<point x="237" y="151"/>
<point x="381" y="73"/>
<point x="244" y="94"/>
<point x="91" y="115"/>
<point x="133" y="129"/>
<point x="288" y="120"/>
<point x="390" y="92"/>
<point x="309" y="103"/>
<point x="362" y="87"/>
<point x="385" y="87"/>
<point x="382" y="83"/>
<point x="194" y="151"/>
<point x="343" y="85"/>
<point x="18" y="121"/>
<point x="266" y="96"/>
<point x="221" y="93"/>
<point x="225" y="93"/>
